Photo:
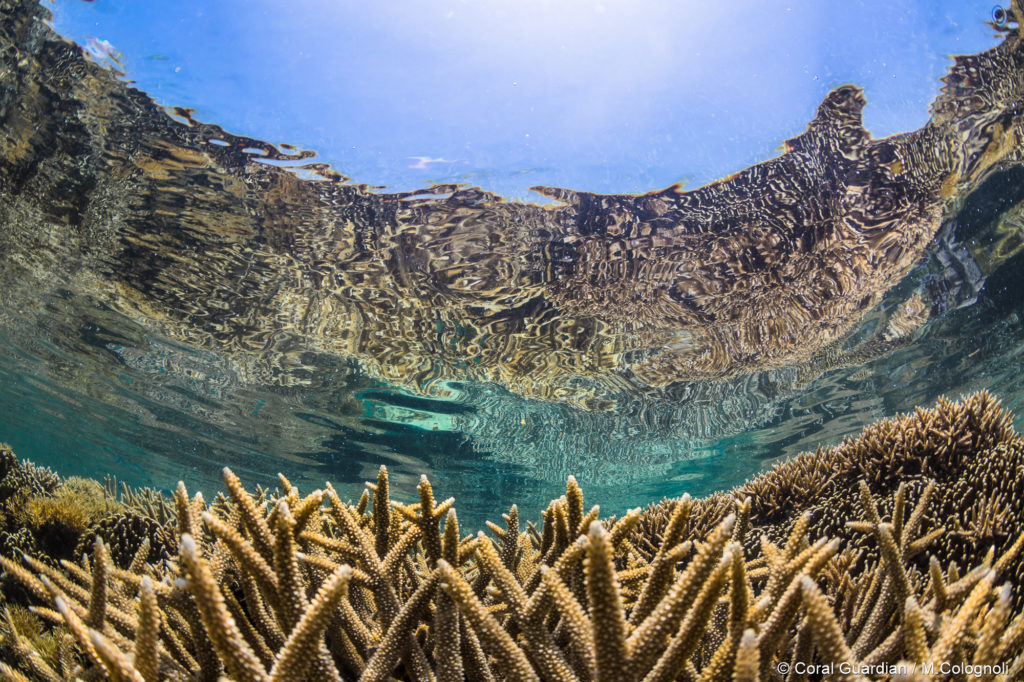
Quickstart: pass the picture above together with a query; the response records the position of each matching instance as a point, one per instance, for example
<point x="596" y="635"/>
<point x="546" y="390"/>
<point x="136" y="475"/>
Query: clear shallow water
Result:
<point x="94" y="380"/>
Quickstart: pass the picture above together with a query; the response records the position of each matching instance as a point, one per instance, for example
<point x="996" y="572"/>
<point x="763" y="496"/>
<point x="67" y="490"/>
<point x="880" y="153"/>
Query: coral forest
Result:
<point x="894" y="555"/>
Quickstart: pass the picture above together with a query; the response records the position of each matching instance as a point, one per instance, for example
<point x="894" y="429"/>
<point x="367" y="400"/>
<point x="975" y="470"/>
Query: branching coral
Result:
<point x="16" y="475"/>
<point x="50" y="518"/>
<point x="59" y="518"/>
<point x="968" y="448"/>
<point x="145" y="502"/>
<point x="125" y="532"/>
<point x="285" y="587"/>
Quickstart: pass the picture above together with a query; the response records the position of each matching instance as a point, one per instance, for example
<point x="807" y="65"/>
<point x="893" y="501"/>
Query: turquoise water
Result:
<point x="145" y="334"/>
<point x="93" y="394"/>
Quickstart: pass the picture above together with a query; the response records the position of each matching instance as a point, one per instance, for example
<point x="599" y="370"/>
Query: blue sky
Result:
<point x="609" y="96"/>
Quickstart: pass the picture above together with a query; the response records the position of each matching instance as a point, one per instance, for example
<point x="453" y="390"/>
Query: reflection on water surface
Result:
<point x="172" y="302"/>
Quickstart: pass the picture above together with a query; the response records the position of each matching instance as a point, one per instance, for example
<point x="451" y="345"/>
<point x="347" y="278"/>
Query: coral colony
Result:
<point x="893" y="555"/>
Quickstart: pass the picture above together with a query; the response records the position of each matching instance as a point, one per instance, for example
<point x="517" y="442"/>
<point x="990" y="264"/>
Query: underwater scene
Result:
<point x="439" y="341"/>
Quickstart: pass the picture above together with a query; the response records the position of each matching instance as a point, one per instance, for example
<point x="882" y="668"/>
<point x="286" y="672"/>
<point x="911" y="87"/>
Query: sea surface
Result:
<point x="176" y="297"/>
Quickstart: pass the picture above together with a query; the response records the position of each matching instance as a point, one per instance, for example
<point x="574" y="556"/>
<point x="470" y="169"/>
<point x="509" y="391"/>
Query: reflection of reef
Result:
<point x="103" y="193"/>
<point x="916" y="562"/>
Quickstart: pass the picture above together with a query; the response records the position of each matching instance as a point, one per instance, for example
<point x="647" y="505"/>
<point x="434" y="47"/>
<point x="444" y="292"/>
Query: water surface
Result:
<point x="177" y="297"/>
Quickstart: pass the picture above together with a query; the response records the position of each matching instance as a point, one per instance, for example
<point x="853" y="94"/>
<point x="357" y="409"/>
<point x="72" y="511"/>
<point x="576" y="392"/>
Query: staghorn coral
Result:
<point x="20" y="482"/>
<point x="274" y="586"/>
<point x="141" y="515"/>
<point x="967" y="448"/>
<point x="24" y="477"/>
<point x="41" y="514"/>
<point x="50" y="518"/>
<point x="24" y="636"/>
<point x="145" y="502"/>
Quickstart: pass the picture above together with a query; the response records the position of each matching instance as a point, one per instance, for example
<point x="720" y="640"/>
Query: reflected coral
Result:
<point x="580" y="302"/>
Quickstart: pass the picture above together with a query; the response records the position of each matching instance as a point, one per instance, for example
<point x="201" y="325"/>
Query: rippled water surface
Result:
<point x="176" y="298"/>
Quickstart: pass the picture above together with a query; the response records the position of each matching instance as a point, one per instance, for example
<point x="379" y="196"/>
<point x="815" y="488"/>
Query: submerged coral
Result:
<point x="50" y="518"/>
<point x="18" y="477"/>
<point x="855" y="573"/>
<point x="968" y="449"/>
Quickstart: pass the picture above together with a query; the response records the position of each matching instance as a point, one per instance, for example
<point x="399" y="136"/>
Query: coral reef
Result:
<point x="967" y="448"/>
<point x="18" y="477"/>
<point x="124" y="534"/>
<point x="891" y="554"/>
<point x="20" y="482"/>
<point x="57" y="519"/>
<point x="50" y="518"/>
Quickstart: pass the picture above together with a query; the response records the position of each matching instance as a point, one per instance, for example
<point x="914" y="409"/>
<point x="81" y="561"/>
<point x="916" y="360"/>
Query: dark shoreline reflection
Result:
<point x="610" y="336"/>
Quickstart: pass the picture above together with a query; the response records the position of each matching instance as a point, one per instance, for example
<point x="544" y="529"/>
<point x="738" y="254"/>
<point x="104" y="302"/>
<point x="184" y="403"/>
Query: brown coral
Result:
<point x="286" y="586"/>
<point x="58" y="519"/>
<point x="124" y="532"/>
<point x="968" y="448"/>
